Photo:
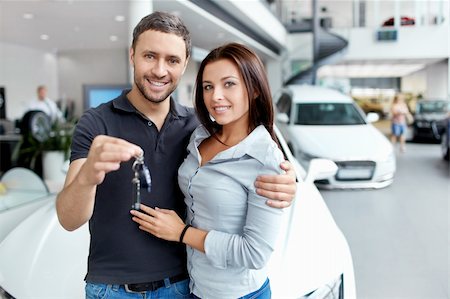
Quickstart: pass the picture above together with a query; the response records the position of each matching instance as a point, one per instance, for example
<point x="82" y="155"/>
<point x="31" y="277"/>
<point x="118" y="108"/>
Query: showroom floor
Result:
<point x="399" y="236"/>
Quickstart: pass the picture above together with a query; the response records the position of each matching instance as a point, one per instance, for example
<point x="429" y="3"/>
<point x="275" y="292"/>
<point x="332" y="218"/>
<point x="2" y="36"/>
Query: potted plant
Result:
<point x="49" y="144"/>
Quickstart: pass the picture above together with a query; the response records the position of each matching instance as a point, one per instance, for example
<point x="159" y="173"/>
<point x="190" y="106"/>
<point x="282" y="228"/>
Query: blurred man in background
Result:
<point x="44" y="104"/>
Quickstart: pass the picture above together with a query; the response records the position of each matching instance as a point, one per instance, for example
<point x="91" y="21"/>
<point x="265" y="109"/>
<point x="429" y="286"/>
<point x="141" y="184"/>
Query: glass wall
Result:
<point x="364" y="13"/>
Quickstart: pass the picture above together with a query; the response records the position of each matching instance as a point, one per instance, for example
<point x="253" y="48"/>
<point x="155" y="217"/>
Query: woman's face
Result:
<point x="225" y="93"/>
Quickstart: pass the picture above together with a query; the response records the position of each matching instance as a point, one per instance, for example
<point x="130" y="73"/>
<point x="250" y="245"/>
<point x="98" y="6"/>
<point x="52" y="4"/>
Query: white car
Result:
<point x="22" y="193"/>
<point x="318" y="122"/>
<point x="39" y="259"/>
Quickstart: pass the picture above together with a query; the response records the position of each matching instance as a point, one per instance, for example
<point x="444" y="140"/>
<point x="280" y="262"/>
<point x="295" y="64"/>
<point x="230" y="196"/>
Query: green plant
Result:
<point x="57" y="138"/>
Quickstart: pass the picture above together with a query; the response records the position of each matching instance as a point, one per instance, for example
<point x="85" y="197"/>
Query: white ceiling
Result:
<point x="89" y="24"/>
<point x="68" y="24"/>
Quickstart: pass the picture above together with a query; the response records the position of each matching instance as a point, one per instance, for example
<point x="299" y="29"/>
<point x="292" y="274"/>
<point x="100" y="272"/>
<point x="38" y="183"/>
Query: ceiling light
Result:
<point x="44" y="37"/>
<point x="119" y="18"/>
<point x="113" y="38"/>
<point x="28" y="16"/>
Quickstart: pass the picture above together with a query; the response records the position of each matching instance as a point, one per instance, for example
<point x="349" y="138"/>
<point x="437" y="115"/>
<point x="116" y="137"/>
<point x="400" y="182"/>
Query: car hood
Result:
<point x="355" y="142"/>
<point x="312" y="252"/>
<point x="32" y="264"/>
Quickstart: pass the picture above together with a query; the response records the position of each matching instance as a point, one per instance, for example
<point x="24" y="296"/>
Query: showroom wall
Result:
<point x="22" y="69"/>
<point x="415" y="83"/>
<point x="437" y="80"/>
<point x="431" y="82"/>
<point x="65" y="73"/>
<point x="433" y="41"/>
<point x="79" y="67"/>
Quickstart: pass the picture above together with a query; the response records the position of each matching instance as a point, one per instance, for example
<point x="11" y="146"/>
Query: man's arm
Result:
<point x="279" y="189"/>
<point x="75" y="203"/>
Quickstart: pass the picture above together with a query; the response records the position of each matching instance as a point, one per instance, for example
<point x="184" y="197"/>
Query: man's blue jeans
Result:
<point x="179" y="290"/>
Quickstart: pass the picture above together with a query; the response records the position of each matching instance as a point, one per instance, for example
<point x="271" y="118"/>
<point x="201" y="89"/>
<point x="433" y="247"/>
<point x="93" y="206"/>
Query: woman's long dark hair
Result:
<point x="255" y="80"/>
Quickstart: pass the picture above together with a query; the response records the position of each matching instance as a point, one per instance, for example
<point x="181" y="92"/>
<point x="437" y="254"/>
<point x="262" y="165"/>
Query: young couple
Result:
<point x="212" y="198"/>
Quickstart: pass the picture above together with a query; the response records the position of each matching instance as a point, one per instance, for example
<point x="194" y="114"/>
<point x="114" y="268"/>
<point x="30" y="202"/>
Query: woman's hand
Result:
<point x="162" y="223"/>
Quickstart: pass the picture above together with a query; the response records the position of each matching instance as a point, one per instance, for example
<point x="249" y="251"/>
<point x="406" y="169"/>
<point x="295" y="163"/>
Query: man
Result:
<point x="44" y="104"/>
<point x="124" y="260"/>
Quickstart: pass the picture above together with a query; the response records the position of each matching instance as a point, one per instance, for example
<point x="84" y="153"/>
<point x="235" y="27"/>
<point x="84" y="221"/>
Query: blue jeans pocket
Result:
<point x="95" y="290"/>
<point x="181" y="288"/>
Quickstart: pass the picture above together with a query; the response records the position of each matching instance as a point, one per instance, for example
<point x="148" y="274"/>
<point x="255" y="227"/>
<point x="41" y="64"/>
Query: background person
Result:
<point x="399" y="114"/>
<point x="44" y="104"/>
<point x="233" y="232"/>
<point x="123" y="260"/>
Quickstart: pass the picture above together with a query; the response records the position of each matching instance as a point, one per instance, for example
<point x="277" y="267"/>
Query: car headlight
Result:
<point x="4" y="294"/>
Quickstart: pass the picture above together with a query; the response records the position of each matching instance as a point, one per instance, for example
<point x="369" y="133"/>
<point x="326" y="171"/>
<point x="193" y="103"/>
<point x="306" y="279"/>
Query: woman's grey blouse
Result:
<point x="221" y="198"/>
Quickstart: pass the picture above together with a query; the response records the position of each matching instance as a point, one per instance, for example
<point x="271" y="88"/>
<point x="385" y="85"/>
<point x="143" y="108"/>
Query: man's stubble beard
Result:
<point x="149" y="97"/>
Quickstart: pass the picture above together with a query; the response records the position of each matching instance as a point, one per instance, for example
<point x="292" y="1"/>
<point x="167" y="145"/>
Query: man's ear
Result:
<point x="131" y="57"/>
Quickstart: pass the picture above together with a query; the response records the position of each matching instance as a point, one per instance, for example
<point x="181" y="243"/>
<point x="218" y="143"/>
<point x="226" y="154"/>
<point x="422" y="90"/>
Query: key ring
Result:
<point x="140" y="180"/>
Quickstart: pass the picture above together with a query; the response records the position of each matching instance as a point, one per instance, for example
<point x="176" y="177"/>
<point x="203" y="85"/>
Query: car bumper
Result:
<point x="382" y="176"/>
<point x="430" y="130"/>
<point x="333" y="184"/>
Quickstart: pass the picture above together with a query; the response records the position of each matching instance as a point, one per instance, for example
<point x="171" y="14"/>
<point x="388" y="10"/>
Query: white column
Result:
<point x="425" y="16"/>
<point x="397" y="17"/>
<point x="137" y="10"/>
<point x="274" y="74"/>
<point x="376" y="14"/>
<point x="418" y="12"/>
<point x="356" y="13"/>
<point x="448" y="78"/>
<point x="440" y="16"/>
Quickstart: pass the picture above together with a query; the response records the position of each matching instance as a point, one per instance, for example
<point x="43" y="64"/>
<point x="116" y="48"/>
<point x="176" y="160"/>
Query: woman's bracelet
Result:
<point x="183" y="232"/>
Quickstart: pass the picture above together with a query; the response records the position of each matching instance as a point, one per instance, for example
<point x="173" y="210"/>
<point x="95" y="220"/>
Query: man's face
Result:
<point x="159" y="60"/>
<point x="42" y="93"/>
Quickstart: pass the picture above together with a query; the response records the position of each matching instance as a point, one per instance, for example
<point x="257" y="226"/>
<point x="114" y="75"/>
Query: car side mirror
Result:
<point x="372" y="117"/>
<point x="282" y="118"/>
<point x="320" y="169"/>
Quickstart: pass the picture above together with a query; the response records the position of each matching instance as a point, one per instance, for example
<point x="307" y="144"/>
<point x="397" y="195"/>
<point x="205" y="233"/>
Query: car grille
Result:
<point x="355" y="170"/>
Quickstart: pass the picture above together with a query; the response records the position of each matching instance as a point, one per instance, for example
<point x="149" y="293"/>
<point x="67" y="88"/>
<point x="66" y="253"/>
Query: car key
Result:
<point x="142" y="179"/>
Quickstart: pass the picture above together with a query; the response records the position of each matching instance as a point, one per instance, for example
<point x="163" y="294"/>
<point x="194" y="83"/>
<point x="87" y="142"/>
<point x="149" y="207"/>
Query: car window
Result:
<point x="328" y="114"/>
<point x="284" y="104"/>
<point x="432" y="107"/>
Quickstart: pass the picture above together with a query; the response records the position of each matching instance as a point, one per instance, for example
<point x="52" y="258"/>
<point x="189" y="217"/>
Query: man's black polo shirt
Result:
<point x="119" y="252"/>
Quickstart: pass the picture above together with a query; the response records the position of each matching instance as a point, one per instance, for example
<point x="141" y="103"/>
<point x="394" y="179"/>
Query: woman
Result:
<point x="230" y="231"/>
<point x="399" y="112"/>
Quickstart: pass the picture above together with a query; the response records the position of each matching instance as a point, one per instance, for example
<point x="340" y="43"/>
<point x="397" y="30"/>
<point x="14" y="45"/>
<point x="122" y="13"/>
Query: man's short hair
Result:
<point x="166" y="23"/>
